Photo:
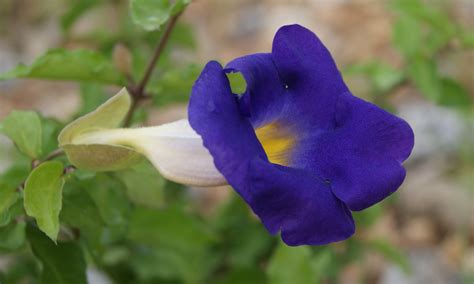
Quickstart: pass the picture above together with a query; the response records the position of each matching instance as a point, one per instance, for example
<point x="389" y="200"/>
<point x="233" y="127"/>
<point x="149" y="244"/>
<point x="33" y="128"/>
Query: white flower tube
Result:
<point x="175" y="149"/>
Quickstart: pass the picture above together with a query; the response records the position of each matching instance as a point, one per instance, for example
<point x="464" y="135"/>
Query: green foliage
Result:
<point x="132" y="224"/>
<point x="63" y="263"/>
<point x="24" y="128"/>
<point x="75" y="65"/>
<point x="43" y="196"/>
<point x="291" y="265"/>
<point x="153" y="14"/>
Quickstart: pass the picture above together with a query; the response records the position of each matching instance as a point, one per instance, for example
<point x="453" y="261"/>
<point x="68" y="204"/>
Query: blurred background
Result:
<point x="413" y="58"/>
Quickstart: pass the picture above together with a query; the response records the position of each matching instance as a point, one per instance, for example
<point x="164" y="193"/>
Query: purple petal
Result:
<point x="299" y="204"/>
<point x="265" y="96"/>
<point x="362" y="157"/>
<point x="229" y="137"/>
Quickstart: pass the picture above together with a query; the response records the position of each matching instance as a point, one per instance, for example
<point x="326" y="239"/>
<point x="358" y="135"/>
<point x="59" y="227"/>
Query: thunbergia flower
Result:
<point x="297" y="146"/>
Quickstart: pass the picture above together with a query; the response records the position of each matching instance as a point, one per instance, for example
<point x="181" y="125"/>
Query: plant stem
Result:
<point x="137" y="92"/>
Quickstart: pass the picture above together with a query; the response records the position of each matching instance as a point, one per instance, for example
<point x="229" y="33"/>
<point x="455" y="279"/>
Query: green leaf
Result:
<point x="24" y="129"/>
<point x="144" y="184"/>
<point x="72" y="65"/>
<point x="8" y="197"/>
<point x="171" y="227"/>
<point x="99" y="157"/>
<point x="291" y="265"/>
<point x="12" y="236"/>
<point x="75" y="10"/>
<point x="152" y="14"/>
<point x="250" y="275"/>
<point x="111" y="200"/>
<point x="79" y="211"/>
<point x="63" y="263"/>
<point x="425" y="76"/>
<point x="454" y="94"/>
<point x="409" y="43"/>
<point x="43" y="196"/>
<point x="467" y="38"/>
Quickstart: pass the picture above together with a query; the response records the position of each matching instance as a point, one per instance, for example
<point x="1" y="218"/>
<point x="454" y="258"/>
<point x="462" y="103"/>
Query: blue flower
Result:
<point x="297" y="146"/>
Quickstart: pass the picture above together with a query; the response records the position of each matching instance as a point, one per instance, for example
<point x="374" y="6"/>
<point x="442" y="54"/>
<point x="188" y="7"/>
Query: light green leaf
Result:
<point x="454" y="94"/>
<point x="12" y="236"/>
<point x="152" y="14"/>
<point x="291" y="265"/>
<point x="425" y="76"/>
<point x="8" y="197"/>
<point x="237" y="82"/>
<point x="43" y="196"/>
<point x="74" y="65"/>
<point x="62" y="263"/>
<point x="99" y="157"/>
<point x="24" y="129"/>
<point x="409" y="43"/>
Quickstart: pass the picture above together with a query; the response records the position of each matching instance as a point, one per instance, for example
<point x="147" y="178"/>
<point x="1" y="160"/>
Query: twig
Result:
<point x="137" y="92"/>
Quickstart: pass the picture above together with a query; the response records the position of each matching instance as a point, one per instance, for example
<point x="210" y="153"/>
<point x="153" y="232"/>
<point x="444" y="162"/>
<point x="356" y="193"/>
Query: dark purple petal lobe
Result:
<point x="362" y="156"/>
<point x="299" y="204"/>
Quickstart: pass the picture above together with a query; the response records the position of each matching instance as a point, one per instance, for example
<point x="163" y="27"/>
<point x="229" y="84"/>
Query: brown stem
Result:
<point x="138" y="91"/>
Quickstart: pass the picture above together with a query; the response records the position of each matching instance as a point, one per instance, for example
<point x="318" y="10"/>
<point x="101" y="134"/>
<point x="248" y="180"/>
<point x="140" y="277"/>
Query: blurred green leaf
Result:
<point x="291" y="265"/>
<point x="369" y="216"/>
<point x="43" y="196"/>
<point x="50" y="131"/>
<point x="111" y="200"/>
<point x="145" y="185"/>
<point x="171" y="227"/>
<point x="409" y="43"/>
<point x="250" y="275"/>
<point x="92" y="96"/>
<point x="12" y="237"/>
<point x="73" y="65"/>
<point x="324" y="266"/>
<point x="454" y="94"/>
<point x="392" y="253"/>
<point x="244" y="239"/>
<point x="8" y="197"/>
<point x="80" y="212"/>
<point x="467" y="38"/>
<point x="383" y="76"/>
<point x="174" y="85"/>
<point x="152" y="14"/>
<point x="24" y="129"/>
<point x="75" y="9"/>
<point x="63" y="263"/>
<point x="425" y="76"/>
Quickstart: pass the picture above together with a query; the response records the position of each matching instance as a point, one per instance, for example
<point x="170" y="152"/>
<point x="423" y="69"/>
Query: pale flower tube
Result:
<point x="175" y="150"/>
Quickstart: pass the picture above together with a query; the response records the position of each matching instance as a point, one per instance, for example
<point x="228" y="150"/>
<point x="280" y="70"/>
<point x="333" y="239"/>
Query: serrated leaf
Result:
<point x="24" y="129"/>
<point x="152" y="14"/>
<point x="43" y="196"/>
<point x="62" y="263"/>
<point x="99" y="157"/>
<point x="291" y="265"/>
<point x="73" y="65"/>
